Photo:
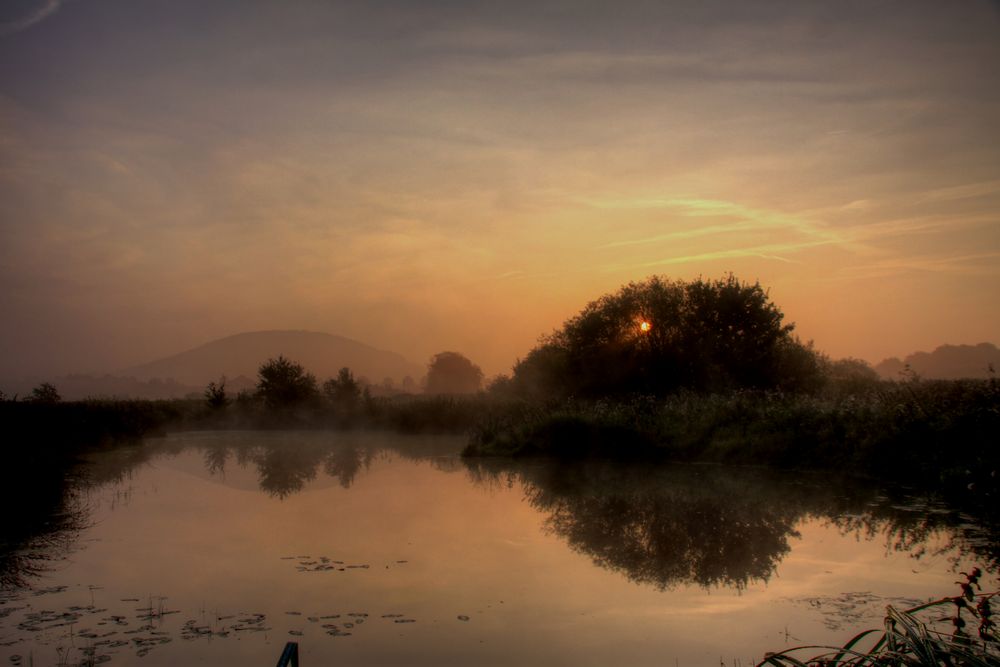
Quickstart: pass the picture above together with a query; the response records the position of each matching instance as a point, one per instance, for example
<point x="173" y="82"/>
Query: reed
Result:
<point x="910" y="638"/>
<point x="926" y="432"/>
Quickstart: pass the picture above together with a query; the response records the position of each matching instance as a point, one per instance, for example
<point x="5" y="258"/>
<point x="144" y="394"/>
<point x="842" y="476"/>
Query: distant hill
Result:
<point x="321" y="354"/>
<point x="948" y="362"/>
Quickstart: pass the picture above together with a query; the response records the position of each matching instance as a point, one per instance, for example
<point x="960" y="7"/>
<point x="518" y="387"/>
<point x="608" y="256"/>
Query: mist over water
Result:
<point x="388" y="549"/>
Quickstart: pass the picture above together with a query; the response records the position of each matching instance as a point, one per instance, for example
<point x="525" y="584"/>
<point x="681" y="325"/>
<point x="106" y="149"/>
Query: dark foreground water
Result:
<point x="217" y="548"/>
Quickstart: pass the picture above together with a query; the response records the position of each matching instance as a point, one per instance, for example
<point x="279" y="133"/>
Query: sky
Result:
<point x="465" y="175"/>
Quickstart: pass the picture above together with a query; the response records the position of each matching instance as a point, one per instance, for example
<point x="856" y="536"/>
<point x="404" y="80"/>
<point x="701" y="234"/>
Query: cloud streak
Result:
<point x="976" y="264"/>
<point x="966" y="191"/>
<point x="772" y="251"/>
<point x="48" y="8"/>
<point x="748" y="220"/>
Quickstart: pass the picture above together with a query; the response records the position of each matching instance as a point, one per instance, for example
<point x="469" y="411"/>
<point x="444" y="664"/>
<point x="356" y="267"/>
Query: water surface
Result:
<point x="373" y="549"/>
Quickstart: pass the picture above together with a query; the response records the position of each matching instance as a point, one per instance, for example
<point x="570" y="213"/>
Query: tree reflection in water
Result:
<point x="657" y="525"/>
<point x="717" y="526"/>
<point x="286" y="463"/>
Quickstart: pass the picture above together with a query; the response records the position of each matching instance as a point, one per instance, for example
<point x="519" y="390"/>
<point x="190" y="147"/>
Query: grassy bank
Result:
<point x="927" y="431"/>
<point x="404" y="413"/>
<point x="42" y="446"/>
<point x="930" y="432"/>
<point x="34" y="428"/>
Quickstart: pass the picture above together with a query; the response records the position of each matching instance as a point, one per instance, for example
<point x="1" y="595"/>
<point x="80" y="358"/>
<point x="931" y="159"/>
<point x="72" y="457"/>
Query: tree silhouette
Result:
<point x="45" y="393"/>
<point x="453" y="373"/>
<point x="657" y="336"/>
<point x="215" y="394"/>
<point x="343" y="391"/>
<point x="666" y="526"/>
<point x="282" y="384"/>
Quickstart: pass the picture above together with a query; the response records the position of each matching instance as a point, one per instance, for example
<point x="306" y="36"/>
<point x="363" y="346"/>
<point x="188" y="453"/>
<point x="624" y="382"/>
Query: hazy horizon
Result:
<point x="466" y="176"/>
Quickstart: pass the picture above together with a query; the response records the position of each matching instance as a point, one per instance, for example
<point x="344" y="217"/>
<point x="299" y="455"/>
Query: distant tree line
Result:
<point x="286" y="393"/>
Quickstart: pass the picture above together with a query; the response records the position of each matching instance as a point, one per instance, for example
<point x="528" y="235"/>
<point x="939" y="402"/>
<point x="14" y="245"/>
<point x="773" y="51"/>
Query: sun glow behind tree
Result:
<point x="464" y="151"/>
<point x="713" y="335"/>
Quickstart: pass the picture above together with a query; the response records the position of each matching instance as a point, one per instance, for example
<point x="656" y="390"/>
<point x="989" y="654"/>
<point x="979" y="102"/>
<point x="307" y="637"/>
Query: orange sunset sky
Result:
<point x="427" y="176"/>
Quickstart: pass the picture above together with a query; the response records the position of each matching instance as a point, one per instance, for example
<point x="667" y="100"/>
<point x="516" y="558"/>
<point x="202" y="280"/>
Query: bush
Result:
<point x="284" y="384"/>
<point x="45" y="393"/>
<point x="453" y="373"/>
<point x="215" y="394"/>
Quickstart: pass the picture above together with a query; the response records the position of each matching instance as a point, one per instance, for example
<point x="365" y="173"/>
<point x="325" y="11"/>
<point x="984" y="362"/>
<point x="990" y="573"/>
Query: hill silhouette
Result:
<point x="322" y="354"/>
<point x="947" y="362"/>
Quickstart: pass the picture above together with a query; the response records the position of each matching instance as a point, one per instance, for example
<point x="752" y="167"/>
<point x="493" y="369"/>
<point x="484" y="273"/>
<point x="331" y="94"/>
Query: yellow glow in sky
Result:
<point x="440" y="177"/>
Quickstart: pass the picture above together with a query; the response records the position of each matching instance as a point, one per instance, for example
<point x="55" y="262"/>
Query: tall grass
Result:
<point x="404" y="413"/>
<point x="42" y="444"/>
<point x="910" y="638"/>
<point x="943" y="432"/>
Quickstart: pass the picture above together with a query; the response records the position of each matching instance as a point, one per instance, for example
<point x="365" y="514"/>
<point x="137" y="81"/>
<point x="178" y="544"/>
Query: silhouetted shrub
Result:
<point x="45" y="393"/>
<point x="215" y="394"/>
<point x="343" y="391"/>
<point x="283" y="384"/>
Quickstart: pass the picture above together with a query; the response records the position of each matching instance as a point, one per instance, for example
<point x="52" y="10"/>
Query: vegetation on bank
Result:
<point x="44" y="440"/>
<point x="912" y="637"/>
<point x="694" y="371"/>
<point x="930" y="432"/>
<point x="708" y="371"/>
<point x="918" y="430"/>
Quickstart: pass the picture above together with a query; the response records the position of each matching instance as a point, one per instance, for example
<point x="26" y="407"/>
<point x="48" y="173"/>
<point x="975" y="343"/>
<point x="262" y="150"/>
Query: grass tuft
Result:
<point x="911" y="638"/>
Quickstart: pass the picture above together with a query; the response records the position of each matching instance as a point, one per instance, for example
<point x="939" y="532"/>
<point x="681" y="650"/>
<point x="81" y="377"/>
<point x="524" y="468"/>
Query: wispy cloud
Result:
<point x="919" y="224"/>
<point x="508" y="274"/>
<point x="746" y="219"/>
<point x="977" y="264"/>
<point x="791" y="234"/>
<point x="711" y="230"/>
<point x="47" y="9"/>
<point x="774" y="251"/>
<point x="966" y="191"/>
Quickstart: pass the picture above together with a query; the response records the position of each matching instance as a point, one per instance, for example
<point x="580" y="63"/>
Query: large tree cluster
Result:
<point x="659" y="336"/>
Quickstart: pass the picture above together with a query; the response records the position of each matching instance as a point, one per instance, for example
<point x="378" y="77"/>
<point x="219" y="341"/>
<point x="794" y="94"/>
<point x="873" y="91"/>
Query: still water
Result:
<point x="373" y="549"/>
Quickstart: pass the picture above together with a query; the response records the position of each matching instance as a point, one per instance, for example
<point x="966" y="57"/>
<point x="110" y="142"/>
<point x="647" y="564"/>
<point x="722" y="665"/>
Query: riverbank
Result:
<point x="927" y="432"/>
<point x="934" y="434"/>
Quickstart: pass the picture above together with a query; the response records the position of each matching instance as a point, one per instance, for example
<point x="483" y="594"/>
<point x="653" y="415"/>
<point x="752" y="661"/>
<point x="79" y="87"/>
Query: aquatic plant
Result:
<point x="908" y="639"/>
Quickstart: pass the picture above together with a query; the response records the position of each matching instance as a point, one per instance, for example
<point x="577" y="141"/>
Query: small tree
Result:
<point x="343" y="391"/>
<point x="215" y="394"/>
<point x="45" y="393"/>
<point x="283" y="384"/>
<point x="453" y="373"/>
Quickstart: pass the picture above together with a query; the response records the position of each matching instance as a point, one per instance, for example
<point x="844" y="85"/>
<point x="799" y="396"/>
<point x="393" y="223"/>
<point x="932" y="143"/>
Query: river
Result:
<point x="382" y="549"/>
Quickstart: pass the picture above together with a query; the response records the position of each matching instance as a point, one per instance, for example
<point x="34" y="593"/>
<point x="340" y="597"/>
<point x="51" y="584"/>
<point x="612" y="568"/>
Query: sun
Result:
<point x="645" y="326"/>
